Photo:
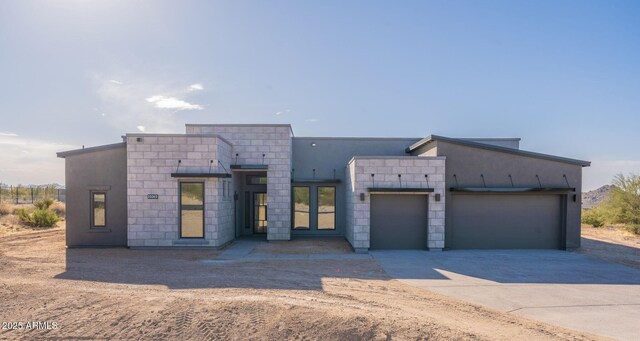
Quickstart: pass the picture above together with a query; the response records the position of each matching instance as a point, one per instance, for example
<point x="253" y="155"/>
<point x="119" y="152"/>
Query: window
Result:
<point x="192" y="210"/>
<point x="326" y="208"/>
<point x="256" y="180"/>
<point x="301" y="208"/>
<point x="98" y="209"/>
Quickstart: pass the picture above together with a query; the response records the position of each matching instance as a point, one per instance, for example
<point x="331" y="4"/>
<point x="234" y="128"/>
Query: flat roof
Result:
<point x="466" y="142"/>
<point x="240" y="125"/>
<point x="90" y="149"/>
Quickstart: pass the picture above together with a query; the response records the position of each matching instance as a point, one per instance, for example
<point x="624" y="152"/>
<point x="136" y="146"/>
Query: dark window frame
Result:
<point x="180" y="209"/>
<point x="335" y="207"/>
<point x="92" y="208"/>
<point x="293" y="209"/>
<point x="253" y="176"/>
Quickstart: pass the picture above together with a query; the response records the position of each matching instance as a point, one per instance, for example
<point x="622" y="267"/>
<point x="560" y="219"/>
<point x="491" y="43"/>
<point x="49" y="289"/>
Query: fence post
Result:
<point x="32" y="195"/>
<point x="17" y="193"/>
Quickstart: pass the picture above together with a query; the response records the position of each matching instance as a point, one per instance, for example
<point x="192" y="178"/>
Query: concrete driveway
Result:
<point x="563" y="288"/>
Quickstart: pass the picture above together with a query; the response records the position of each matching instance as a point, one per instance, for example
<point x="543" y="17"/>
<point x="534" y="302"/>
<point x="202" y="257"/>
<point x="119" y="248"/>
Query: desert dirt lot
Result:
<point x="612" y="244"/>
<point x="144" y="294"/>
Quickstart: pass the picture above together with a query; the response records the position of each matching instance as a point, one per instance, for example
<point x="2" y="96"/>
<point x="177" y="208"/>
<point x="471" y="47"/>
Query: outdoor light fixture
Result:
<point x="361" y="196"/>
<point x="437" y="197"/>
<point x="313" y="144"/>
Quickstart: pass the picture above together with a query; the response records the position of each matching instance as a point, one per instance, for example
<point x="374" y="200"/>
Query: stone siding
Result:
<point x="386" y="170"/>
<point x="262" y="144"/>
<point x="151" y="158"/>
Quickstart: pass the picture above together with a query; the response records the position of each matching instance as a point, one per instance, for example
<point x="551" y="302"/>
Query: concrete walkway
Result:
<point x="562" y="288"/>
<point x="242" y="250"/>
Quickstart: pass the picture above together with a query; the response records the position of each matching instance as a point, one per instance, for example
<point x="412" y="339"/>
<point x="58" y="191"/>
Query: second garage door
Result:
<point x="490" y="221"/>
<point x="398" y="221"/>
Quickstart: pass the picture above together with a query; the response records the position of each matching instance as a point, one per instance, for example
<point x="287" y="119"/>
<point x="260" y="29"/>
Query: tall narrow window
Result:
<point x="192" y="210"/>
<point x="98" y="209"/>
<point x="301" y="208"/>
<point x="326" y="208"/>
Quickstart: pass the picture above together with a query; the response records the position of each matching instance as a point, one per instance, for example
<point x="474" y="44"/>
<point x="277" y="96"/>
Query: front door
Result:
<point x="259" y="212"/>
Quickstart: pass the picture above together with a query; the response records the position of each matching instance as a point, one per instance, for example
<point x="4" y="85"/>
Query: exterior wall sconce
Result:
<point x="361" y="196"/>
<point x="437" y="196"/>
<point x="313" y="144"/>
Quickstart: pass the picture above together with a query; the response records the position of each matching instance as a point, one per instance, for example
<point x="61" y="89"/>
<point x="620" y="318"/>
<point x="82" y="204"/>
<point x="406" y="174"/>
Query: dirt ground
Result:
<point x="165" y="294"/>
<point x="612" y="243"/>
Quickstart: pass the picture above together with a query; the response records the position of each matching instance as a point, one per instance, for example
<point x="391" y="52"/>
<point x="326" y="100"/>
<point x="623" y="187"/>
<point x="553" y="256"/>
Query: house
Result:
<point x="218" y="182"/>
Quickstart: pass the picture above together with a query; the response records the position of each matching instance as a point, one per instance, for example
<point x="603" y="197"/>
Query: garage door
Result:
<point x="398" y="221"/>
<point x="492" y="221"/>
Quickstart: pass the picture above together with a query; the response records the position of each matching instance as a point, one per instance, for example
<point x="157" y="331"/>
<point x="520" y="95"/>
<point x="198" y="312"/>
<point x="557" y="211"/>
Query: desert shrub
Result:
<point x="623" y="205"/>
<point x="40" y="216"/>
<point x="6" y="208"/>
<point x="43" y="204"/>
<point x="60" y="208"/>
<point x="593" y="217"/>
<point x="634" y="229"/>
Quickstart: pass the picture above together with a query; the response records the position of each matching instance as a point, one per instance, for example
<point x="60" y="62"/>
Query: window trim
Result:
<point x="92" y="208"/>
<point x="253" y="176"/>
<point x="180" y="209"/>
<point x="335" y="207"/>
<point x="293" y="210"/>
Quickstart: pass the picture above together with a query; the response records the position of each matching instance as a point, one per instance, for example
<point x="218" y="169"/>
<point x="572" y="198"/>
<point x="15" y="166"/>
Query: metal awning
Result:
<point x="200" y="175"/>
<point x="512" y="189"/>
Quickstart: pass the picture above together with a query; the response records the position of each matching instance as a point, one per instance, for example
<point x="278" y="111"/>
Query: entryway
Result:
<point x="251" y="203"/>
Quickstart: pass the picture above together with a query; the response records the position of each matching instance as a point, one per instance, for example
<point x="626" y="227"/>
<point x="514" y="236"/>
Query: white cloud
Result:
<point x="153" y="102"/>
<point x="602" y="172"/>
<point x="31" y="161"/>
<point x="312" y="120"/>
<point x="283" y="112"/>
<point x="116" y="82"/>
<point x="8" y="134"/>
<point x="196" y="87"/>
<point x="162" y="102"/>
<point x="141" y="128"/>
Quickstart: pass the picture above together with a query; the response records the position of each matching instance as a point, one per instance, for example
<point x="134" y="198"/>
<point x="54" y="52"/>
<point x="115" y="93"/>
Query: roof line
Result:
<point x="463" y="142"/>
<point x="241" y="125"/>
<point x="90" y="149"/>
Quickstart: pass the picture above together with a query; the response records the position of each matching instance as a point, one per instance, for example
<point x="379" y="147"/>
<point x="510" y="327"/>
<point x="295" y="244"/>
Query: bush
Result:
<point x="6" y="208"/>
<point x="41" y="216"/>
<point x="624" y="202"/>
<point x="634" y="229"/>
<point x="60" y="208"/>
<point x="593" y="217"/>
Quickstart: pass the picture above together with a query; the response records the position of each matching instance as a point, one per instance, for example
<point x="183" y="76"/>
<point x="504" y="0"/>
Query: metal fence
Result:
<point x="30" y="194"/>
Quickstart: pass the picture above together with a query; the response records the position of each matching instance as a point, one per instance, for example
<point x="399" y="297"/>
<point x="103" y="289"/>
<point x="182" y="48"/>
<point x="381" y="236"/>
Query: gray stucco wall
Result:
<point x="104" y="170"/>
<point x="331" y="153"/>
<point x="469" y="162"/>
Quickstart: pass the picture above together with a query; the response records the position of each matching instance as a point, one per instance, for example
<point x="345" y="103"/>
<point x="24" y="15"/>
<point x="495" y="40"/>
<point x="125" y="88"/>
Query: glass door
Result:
<point x="259" y="212"/>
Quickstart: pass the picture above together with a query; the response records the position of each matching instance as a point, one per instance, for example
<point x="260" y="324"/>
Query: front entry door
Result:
<point x="259" y="212"/>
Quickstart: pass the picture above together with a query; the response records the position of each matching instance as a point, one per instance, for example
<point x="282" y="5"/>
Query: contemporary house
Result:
<point x="218" y="182"/>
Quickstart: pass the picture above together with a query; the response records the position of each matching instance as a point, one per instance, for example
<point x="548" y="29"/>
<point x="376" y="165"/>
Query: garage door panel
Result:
<point x="398" y="221"/>
<point x="505" y="222"/>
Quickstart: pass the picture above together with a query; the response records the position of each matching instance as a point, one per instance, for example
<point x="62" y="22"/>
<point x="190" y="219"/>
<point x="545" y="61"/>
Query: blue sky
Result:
<point x="563" y="75"/>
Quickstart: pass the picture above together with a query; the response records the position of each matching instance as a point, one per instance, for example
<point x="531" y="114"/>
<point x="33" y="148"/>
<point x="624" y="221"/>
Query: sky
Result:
<point x="562" y="75"/>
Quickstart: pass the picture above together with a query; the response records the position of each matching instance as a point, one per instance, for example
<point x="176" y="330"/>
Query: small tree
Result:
<point x="624" y="202"/>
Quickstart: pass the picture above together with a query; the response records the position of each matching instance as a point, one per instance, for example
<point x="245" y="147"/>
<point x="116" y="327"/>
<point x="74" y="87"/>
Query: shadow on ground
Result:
<point x="234" y="268"/>
<point x="506" y="266"/>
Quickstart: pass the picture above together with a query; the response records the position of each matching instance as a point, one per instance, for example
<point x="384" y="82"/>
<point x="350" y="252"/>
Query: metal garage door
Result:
<point x="398" y="221"/>
<point x="491" y="221"/>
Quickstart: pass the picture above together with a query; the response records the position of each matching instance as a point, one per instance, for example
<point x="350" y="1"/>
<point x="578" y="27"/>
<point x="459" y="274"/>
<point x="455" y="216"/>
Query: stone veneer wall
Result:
<point x="386" y="170"/>
<point x="150" y="162"/>
<point x="250" y="142"/>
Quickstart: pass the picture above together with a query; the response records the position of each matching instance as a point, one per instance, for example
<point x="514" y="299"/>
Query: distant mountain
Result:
<point x="597" y="196"/>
